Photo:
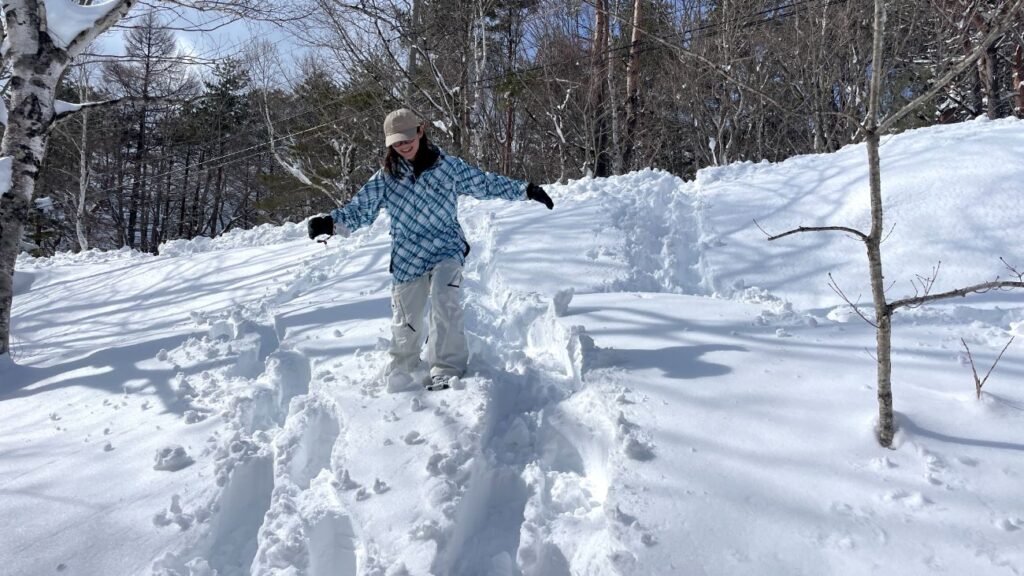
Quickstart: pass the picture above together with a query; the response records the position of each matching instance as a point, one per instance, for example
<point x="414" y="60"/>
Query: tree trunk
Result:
<point x="480" y="54"/>
<point x="36" y="66"/>
<point x="883" y="313"/>
<point x="135" y="198"/>
<point x="612" y="104"/>
<point x="83" y="171"/>
<point x="218" y="203"/>
<point x="184" y="193"/>
<point x="1018" y="81"/>
<point x="410" y="86"/>
<point x="599" y="98"/>
<point x="994" y="108"/>
<point x="32" y="87"/>
<point x="195" y="215"/>
<point x="632" y="89"/>
<point x="158" y="207"/>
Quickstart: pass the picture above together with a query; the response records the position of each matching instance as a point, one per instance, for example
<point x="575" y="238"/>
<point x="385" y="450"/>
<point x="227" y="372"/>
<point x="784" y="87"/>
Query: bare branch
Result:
<point x="293" y="168"/>
<point x="76" y="108"/>
<point x="974" y="370"/>
<point x="923" y="285"/>
<point x="995" y="32"/>
<point x="853" y="232"/>
<point x="980" y="382"/>
<point x="887" y="234"/>
<point x="975" y="289"/>
<point x="989" y="373"/>
<point x="117" y="11"/>
<point x="1014" y="271"/>
<point x="839" y="291"/>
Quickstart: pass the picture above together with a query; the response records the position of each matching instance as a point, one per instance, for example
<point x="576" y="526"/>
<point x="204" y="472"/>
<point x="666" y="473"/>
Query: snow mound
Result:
<point x="93" y="256"/>
<point x="263" y="235"/>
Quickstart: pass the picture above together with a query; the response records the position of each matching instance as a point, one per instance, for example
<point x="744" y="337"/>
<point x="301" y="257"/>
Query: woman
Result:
<point x="419" y="186"/>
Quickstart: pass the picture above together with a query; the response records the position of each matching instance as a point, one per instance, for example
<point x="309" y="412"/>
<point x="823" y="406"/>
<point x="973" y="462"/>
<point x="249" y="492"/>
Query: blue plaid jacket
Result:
<point x="424" y="210"/>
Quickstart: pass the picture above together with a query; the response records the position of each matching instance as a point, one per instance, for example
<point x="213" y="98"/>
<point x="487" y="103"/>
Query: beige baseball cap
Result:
<point x="400" y="125"/>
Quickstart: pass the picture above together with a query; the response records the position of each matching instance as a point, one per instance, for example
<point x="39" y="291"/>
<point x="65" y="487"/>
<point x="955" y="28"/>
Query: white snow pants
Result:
<point x="447" y="353"/>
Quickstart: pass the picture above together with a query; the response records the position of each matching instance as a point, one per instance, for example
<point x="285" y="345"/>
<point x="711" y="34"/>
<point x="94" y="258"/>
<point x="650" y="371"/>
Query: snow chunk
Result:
<point x="560" y="302"/>
<point x="172" y="458"/>
<point x="66" y="19"/>
<point x="61" y="107"/>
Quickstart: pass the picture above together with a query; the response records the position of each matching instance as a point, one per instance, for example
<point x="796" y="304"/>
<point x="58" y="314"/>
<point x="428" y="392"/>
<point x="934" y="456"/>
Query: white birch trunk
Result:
<point x="632" y="88"/>
<point x="476" y="144"/>
<point x="37" y="60"/>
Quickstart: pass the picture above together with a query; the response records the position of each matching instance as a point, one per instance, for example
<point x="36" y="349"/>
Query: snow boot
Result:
<point x="438" y="382"/>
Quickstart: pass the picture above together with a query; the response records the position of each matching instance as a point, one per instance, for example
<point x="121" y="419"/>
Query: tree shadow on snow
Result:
<point x="908" y="426"/>
<point x="109" y="370"/>
<point x="313" y="317"/>
<point x="679" y="362"/>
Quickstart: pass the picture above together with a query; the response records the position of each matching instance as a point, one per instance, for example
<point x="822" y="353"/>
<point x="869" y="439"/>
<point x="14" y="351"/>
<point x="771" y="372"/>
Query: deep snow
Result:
<point x="654" y="389"/>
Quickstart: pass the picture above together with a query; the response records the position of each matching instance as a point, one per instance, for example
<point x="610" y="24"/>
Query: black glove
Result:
<point x="536" y="193"/>
<point x="320" y="225"/>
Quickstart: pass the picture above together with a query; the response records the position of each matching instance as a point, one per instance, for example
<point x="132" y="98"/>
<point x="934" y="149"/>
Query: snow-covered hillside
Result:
<point x="654" y="389"/>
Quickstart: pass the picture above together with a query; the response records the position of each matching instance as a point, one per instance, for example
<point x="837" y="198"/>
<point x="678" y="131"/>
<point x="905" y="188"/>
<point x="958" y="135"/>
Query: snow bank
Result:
<point x="27" y="262"/>
<point x="263" y="235"/>
<point x="951" y="194"/>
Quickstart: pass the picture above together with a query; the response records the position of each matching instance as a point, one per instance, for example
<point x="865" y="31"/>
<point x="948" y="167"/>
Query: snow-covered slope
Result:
<point x="654" y="389"/>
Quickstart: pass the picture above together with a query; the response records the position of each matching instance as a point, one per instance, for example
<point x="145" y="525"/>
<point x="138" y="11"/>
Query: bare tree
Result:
<point x="873" y="127"/>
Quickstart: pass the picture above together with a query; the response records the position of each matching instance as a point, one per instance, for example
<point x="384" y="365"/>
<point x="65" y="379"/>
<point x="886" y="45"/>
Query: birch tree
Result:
<point x="38" y="47"/>
<point x="40" y="40"/>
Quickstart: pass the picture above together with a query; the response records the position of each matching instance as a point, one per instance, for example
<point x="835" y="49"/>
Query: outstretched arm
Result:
<point x="364" y="207"/>
<point x="486" y="185"/>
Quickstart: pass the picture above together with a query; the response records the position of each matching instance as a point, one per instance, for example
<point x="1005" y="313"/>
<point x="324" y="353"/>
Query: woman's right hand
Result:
<point x="320" y="225"/>
<point x="537" y="194"/>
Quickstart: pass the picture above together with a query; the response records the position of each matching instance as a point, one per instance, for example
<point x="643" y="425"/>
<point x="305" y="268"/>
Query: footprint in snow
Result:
<point x="967" y="461"/>
<point x="883" y="463"/>
<point x="913" y="500"/>
<point x="1009" y="524"/>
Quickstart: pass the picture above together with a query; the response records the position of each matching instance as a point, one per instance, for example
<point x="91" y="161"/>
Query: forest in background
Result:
<point x="539" y="89"/>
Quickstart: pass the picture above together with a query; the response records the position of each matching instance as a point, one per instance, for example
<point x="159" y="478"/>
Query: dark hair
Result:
<point x="390" y="163"/>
